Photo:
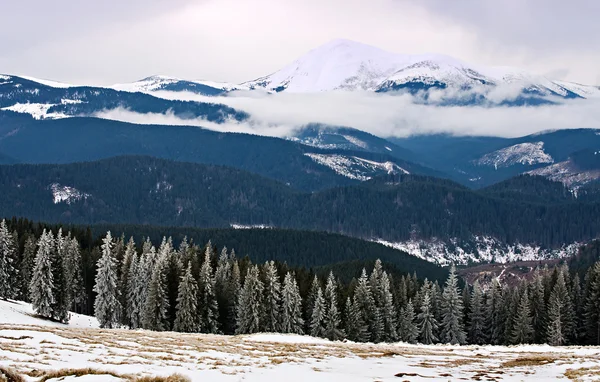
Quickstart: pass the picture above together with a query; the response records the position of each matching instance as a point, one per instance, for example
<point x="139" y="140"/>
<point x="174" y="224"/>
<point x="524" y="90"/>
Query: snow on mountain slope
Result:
<point x="36" y="110"/>
<point x="354" y="167"/>
<point x="161" y="82"/>
<point x="481" y="249"/>
<point x="567" y="173"/>
<point x="522" y="153"/>
<point x="21" y="313"/>
<point x="348" y="65"/>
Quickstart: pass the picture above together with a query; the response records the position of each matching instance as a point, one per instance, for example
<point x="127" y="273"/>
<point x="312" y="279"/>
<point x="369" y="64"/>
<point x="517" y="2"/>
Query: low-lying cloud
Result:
<point x="385" y="115"/>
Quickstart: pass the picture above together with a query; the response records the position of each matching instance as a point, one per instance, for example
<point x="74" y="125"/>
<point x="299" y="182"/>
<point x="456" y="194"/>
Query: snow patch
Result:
<point x="567" y="173"/>
<point x="36" y="110"/>
<point x="354" y="167"/>
<point x="52" y="84"/>
<point x="285" y="338"/>
<point x="355" y="141"/>
<point x="66" y="194"/>
<point x="252" y="226"/>
<point x="21" y="313"/>
<point x="522" y="153"/>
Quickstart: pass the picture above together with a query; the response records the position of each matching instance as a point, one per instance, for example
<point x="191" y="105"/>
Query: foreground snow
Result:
<point x="28" y="343"/>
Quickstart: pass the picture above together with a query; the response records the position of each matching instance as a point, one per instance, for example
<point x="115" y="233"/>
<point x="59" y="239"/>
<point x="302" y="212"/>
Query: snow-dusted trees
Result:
<point x="356" y="327"/>
<point x="128" y="257"/>
<point x="317" y="319"/>
<point x="106" y="306"/>
<point x="427" y="322"/>
<point x="291" y="306"/>
<point x="249" y="308"/>
<point x="7" y="268"/>
<point x="272" y="300"/>
<point x="208" y="310"/>
<point x="408" y="331"/>
<point x="365" y="309"/>
<point x="452" y="311"/>
<point x="387" y="310"/>
<point x="157" y="301"/>
<point x="476" y="325"/>
<point x="42" y="285"/>
<point x="27" y="264"/>
<point x="186" y="319"/>
<point x="61" y="288"/>
<point x="560" y="313"/>
<point x="332" y="321"/>
<point x="522" y="328"/>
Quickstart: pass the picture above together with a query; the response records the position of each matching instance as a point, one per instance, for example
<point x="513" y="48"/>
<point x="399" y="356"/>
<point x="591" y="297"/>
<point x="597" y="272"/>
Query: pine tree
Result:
<point x="223" y="291"/>
<point x="494" y="309"/>
<point x="427" y="322"/>
<point x="133" y="307"/>
<point x="477" y="317"/>
<point x="128" y="256"/>
<point x="27" y="265"/>
<point x="332" y="320"/>
<point x="61" y="292"/>
<point x="41" y="286"/>
<point x="235" y="287"/>
<point x="272" y="300"/>
<point x="186" y="319"/>
<point x="317" y="321"/>
<point x="388" y="310"/>
<point x="376" y="326"/>
<point x="356" y="327"/>
<point x="291" y="307"/>
<point x="523" y="329"/>
<point x="157" y="301"/>
<point x="7" y="269"/>
<point x="208" y="310"/>
<point x="554" y="330"/>
<point x="538" y="307"/>
<point x="592" y="307"/>
<point x="407" y="326"/>
<point x="310" y="299"/>
<point x="365" y="304"/>
<point x="452" y="311"/>
<point x="106" y="305"/>
<point x="249" y="308"/>
<point x="578" y="306"/>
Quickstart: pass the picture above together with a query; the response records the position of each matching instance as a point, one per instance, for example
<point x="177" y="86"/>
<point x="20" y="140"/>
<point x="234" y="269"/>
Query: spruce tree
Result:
<point x="106" y="305"/>
<point x="408" y="330"/>
<point x="523" y="329"/>
<point x="225" y="299"/>
<point x="235" y="287"/>
<point x="427" y="322"/>
<point x="130" y="252"/>
<point x="495" y="319"/>
<point x="133" y="306"/>
<point x="157" y="301"/>
<point x="249" y="307"/>
<point x="291" y="306"/>
<point x="364" y="303"/>
<point x="554" y="329"/>
<point x="388" y="310"/>
<point x="538" y="307"/>
<point x="317" y="321"/>
<point x="376" y="319"/>
<point x="208" y="309"/>
<point x="272" y="300"/>
<point x="332" y="321"/>
<point x="186" y="319"/>
<point x="62" y="290"/>
<point x="41" y="285"/>
<point x="356" y="327"/>
<point x="27" y="265"/>
<point x="310" y="299"/>
<point x="452" y="311"/>
<point x="477" y="317"/>
<point x="592" y="307"/>
<point x="7" y="269"/>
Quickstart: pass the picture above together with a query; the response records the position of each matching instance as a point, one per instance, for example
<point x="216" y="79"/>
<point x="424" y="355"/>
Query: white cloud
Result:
<point x="380" y="114"/>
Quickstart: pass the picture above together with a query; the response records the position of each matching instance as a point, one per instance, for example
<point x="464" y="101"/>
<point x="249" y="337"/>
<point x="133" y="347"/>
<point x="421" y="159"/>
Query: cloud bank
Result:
<point x="384" y="115"/>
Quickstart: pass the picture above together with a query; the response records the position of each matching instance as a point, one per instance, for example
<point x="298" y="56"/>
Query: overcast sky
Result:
<point x="111" y="41"/>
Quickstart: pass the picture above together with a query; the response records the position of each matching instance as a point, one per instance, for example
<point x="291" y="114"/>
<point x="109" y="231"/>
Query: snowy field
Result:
<point x="35" y="347"/>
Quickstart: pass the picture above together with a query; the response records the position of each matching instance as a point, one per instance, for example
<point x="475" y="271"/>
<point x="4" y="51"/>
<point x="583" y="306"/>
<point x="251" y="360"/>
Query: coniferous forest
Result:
<point x="192" y="288"/>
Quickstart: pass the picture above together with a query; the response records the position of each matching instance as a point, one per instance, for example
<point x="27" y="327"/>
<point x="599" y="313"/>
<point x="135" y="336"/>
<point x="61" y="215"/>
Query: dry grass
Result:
<point x="170" y="378"/>
<point x="535" y="360"/>
<point x="9" y="375"/>
<point x="579" y="374"/>
<point x="77" y="373"/>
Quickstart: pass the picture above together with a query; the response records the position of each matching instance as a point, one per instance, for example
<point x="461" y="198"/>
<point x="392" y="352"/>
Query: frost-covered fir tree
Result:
<point x="272" y="300"/>
<point x="522" y="328"/>
<point x="592" y="307"/>
<point x="157" y="301"/>
<point x="452" y="312"/>
<point x="317" y="320"/>
<point x="356" y="327"/>
<point x="364" y="302"/>
<point x="41" y="285"/>
<point x="130" y="252"/>
<point x="186" y="319"/>
<point x="427" y="322"/>
<point x="494" y="314"/>
<point x="222" y="290"/>
<point x="249" y="308"/>
<point x="538" y="307"/>
<point x="291" y="306"/>
<point x="27" y="265"/>
<point x="332" y="321"/>
<point x="408" y="330"/>
<point x="310" y="298"/>
<point x="61" y="291"/>
<point x="208" y="309"/>
<point x="376" y="326"/>
<point x="476" y="325"/>
<point x="106" y="306"/>
<point x="7" y="269"/>
<point x="133" y="306"/>
<point x="74" y="274"/>
<point x="554" y="329"/>
<point x="388" y="310"/>
<point x="235" y="286"/>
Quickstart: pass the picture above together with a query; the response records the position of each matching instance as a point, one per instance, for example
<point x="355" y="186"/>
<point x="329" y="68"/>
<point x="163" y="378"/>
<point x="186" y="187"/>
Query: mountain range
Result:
<point x="437" y="196"/>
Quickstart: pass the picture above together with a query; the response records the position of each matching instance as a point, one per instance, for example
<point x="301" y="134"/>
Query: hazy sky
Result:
<point x="110" y="41"/>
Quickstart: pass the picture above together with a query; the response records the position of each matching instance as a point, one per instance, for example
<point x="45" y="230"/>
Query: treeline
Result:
<point x="190" y="290"/>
